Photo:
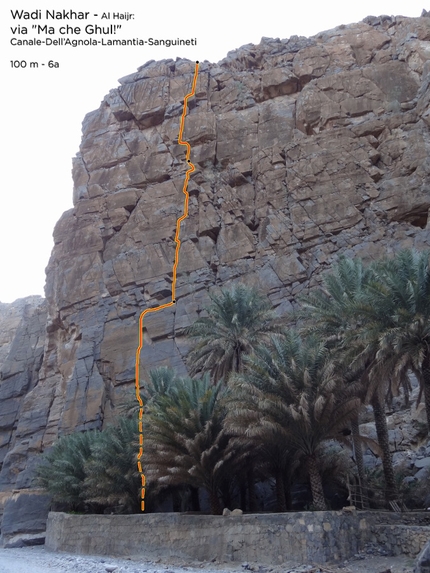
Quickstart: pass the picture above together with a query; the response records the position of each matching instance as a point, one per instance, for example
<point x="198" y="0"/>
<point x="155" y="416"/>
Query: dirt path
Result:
<point x="38" y="560"/>
<point x="372" y="564"/>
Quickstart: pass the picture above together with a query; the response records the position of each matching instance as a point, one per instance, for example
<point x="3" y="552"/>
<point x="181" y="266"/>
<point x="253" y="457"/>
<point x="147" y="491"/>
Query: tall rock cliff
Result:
<point x="22" y="338"/>
<point x="305" y="149"/>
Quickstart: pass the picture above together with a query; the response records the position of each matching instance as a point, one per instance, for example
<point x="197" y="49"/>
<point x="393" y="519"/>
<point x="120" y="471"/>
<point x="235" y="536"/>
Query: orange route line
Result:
<point x="175" y="268"/>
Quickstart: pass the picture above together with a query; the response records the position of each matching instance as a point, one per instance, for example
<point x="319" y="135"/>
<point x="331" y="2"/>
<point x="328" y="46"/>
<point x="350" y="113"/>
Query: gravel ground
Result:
<point x="38" y="560"/>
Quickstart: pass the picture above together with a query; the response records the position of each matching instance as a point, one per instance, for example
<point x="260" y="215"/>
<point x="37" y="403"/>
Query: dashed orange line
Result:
<point x="175" y="268"/>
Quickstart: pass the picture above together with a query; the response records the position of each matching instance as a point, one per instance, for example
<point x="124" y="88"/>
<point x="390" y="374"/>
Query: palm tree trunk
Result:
<point x="242" y="492"/>
<point x="214" y="502"/>
<point x="226" y="494"/>
<point x="382" y="433"/>
<point x="316" y="484"/>
<point x="287" y="493"/>
<point x="358" y="455"/>
<point x="195" y="501"/>
<point x="251" y="489"/>
<point x="237" y="360"/>
<point x="426" y="383"/>
<point x="176" y="500"/>
<point x="281" y="504"/>
<point x="406" y="391"/>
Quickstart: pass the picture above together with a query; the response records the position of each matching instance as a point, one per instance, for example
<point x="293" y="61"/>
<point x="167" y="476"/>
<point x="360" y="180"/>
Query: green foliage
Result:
<point x="94" y="467"/>
<point x="62" y="471"/>
<point x="287" y="395"/>
<point x="238" y="320"/>
<point x="379" y="318"/>
<point x="111" y="471"/>
<point x="398" y="309"/>
<point x="185" y="441"/>
<point x="332" y="310"/>
<point x="293" y="384"/>
<point x="290" y="389"/>
<point x="161" y="381"/>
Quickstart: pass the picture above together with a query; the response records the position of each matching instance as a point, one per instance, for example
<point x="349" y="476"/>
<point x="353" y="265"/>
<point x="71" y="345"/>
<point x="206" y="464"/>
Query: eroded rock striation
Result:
<point x="22" y="339"/>
<point x="305" y="149"/>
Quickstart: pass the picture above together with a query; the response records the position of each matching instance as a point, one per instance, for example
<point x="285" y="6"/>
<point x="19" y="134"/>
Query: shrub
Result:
<point x="88" y="468"/>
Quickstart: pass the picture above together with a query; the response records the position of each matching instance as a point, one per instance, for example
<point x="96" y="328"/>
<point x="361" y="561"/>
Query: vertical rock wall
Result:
<point x="305" y="149"/>
<point x="22" y="339"/>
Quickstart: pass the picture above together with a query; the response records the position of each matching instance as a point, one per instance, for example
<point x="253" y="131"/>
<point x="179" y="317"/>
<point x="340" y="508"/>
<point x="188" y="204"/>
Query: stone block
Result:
<point x="25" y="540"/>
<point x="423" y="561"/>
<point x="25" y="512"/>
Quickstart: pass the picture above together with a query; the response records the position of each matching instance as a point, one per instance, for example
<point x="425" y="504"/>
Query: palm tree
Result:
<point x="185" y="441"/>
<point x="340" y="311"/>
<point x="290" y="387"/>
<point x="238" y="320"/>
<point x="398" y="314"/>
<point x="161" y="381"/>
<point x="272" y="454"/>
<point x="62" y="468"/>
<point x="111" y="474"/>
<point x="88" y="468"/>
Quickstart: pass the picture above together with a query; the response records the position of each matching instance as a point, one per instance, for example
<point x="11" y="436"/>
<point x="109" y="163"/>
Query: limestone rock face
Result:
<point x="305" y="149"/>
<point x="25" y="516"/>
<point x="22" y="340"/>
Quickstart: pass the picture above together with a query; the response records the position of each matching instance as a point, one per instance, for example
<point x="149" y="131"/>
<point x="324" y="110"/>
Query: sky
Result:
<point x="44" y="105"/>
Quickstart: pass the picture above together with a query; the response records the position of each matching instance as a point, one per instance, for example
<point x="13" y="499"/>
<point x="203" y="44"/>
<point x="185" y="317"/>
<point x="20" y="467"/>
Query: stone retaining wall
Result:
<point x="418" y="518"/>
<point x="308" y="537"/>
<point x="401" y="539"/>
<point x="267" y="538"/>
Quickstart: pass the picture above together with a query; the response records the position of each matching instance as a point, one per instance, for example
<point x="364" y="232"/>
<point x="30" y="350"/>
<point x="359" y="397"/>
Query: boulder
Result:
<point x="422" y="463"/>
<point x="25" y="540"/>
<point x="24" y="518"/>
<point x="423" y="560"/>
